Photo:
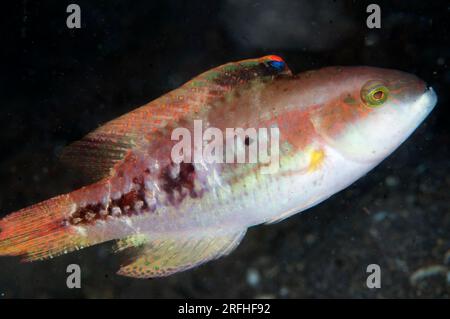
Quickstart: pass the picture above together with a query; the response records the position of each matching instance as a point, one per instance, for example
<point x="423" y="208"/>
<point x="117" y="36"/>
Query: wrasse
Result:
<point x="335" y="124"/>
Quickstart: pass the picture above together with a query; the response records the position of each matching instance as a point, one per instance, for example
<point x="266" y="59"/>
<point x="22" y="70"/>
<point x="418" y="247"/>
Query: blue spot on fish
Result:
<point x="278" y="65"/>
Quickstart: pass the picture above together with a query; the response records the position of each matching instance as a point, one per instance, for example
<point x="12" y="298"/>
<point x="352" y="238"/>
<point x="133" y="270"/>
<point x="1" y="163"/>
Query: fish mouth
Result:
<point x="426" y="102"/>
<point x="420" y="109"/>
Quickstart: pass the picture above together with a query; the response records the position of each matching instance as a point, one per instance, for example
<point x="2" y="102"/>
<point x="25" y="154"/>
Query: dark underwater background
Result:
<point x="58" y="84"/>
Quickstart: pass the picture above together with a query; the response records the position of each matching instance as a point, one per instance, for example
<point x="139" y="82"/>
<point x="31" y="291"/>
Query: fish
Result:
<point x="333" y="125"/>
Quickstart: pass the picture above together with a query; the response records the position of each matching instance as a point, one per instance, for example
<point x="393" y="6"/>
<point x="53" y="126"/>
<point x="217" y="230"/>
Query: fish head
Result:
<point x="369" y="111"/>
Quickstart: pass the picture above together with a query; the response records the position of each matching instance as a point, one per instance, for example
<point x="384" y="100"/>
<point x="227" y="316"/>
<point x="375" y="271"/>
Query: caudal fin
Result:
<point x="40" y="231"/>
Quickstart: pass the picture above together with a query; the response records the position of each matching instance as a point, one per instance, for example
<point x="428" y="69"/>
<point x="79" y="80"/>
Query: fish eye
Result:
<point x="374" y="93"/>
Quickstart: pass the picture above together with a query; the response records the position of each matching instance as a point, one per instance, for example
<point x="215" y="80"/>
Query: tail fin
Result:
<point x="40" y="231"/>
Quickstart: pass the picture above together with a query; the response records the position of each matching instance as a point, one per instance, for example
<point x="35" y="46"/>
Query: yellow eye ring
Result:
<point x="374" y="93"/>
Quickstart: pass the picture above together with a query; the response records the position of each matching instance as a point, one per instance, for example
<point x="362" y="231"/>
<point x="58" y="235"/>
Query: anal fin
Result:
<point x="165" y="256"/>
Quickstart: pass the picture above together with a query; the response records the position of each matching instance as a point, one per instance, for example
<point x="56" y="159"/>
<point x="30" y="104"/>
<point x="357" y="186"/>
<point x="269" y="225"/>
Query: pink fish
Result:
<point x="335" y="124"/>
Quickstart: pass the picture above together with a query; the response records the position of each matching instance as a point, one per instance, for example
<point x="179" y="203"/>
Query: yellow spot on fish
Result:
<point x="138" y="240"/>
<point x="315" y="159"/>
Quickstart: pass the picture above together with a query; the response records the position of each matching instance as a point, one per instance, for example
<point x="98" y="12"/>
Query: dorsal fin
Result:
<point x="165" y="256"/>
<point x="99" y="151"/>
<point x="236" y="73"/>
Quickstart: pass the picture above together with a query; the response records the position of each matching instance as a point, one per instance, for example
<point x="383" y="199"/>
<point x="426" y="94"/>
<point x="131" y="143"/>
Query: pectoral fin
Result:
<point x="165" y="256"/>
